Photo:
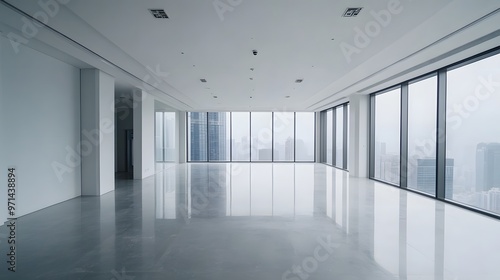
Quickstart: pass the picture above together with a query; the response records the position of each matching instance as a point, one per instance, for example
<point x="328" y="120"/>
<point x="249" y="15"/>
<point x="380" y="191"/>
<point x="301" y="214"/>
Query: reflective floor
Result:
<point x="254" y="221"/>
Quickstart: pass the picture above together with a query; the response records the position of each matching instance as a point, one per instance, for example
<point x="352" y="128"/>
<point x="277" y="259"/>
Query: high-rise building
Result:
<point x="487" y="166"/>
<point x="198" y="135"/>
<point x="208" y="136"/>
<point x="217" y="136"/>
<point x="426" y="176"/>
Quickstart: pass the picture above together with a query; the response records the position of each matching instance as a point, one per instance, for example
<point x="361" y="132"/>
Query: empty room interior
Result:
<point x="250" y="139"/>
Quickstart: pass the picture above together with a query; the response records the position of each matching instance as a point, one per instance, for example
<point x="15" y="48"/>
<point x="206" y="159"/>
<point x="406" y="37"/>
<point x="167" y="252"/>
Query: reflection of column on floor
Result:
<point x="346" y="207"/>
<point x="320" y="189"/>
<point x="107" y="230"/>
<point x="439" y="243"/>
<point x="148" y="221"/>
<point x="403" y="225"/>
<point x="330" y="192"/>
<point x="183" y="193"/>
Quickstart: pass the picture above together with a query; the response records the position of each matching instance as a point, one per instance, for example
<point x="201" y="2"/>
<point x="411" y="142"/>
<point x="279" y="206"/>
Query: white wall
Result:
<point x="144" y="133"/>
<point x="40" y="121"/>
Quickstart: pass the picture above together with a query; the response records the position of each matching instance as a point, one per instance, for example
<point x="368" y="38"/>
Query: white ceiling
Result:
<point x="294" y="38"/>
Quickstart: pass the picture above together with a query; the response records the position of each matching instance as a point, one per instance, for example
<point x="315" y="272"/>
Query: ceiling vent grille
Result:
<point x="158" y="13"/>
<point x="351" y="12"/>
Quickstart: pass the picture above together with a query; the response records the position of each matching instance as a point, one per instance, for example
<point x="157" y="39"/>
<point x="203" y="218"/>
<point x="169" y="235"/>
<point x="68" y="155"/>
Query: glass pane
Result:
<point x="329" y="136"/>
<point x="387" y="133"/>
<point x="284" y="143"/>
<point x="170" y="150"/>
<point x="262" y="136"/>
<point x="472" y="134"/>
<point x="197" y="136"/>
<point x="339" y="137"/>
<point x="218" y="136"/>
<point x="159" y="136"/>
<point x="304" y="133"/>
<point x="422" y="108"/>
<point x="240" y="136"/>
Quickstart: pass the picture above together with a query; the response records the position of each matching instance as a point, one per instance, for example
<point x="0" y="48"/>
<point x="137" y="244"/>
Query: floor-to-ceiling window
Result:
<point x="387" y="137"/>
<point x="197" y="136"/>
<point x="284" y="138"/>
<point x="473" y="134"/>
<point x="261" y="132"/>
<point x="251" y="136"/>
<point x="334" y="140"/>
<point x="422" y="114"/>
<point x="165" y="146"/>
<point x="446" y="119"/>
<point x="219" y="136"/>
<point x="240" y="136"/>
<point x="304" y="136"/>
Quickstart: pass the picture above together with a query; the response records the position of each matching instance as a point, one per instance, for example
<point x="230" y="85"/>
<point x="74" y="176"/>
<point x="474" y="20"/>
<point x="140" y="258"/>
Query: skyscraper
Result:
<point x="198" y="136"/>
<point x="208" y="137"/>
<point x="217" y="136"/>
<point x="426" y="176"/>
<point x="487" y="166"/>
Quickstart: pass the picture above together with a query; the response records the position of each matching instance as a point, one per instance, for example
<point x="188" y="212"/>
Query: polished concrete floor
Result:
<point x="255" y="221"/>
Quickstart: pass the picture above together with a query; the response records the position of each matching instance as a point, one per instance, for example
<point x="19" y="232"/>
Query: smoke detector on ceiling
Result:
<point x="158" y="13"/>
<point x="351" y="12"/>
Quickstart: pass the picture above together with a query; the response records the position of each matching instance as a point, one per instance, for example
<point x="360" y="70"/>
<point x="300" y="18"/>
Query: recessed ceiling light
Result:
<point x="351" y="12"/>
<point x="158" y="13"/>
<point x="298" y="81"/>
<point x="203" y="80"/>
<point x="251" y="97"/>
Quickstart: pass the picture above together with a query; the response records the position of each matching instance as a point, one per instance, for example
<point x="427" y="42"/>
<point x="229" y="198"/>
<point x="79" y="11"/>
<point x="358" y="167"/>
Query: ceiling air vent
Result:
<point x="203" y="80"/>
<point x="351" y="12"/>
<point x="158" y="13"/>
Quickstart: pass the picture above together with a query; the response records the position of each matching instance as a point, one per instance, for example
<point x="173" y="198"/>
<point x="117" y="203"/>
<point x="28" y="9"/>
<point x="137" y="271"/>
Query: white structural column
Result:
<point x="318" y="136"/>
<point x="182" y="136"/>
<point x="143" y="154"/>
<point x="97" y="132"/>
<point x="359" y="113"/>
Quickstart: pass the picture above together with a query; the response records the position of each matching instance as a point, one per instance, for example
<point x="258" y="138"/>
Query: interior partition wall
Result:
<point x="437" y="134"/>
<point x="334" y="136"/>
<point x="251" y="136"/>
